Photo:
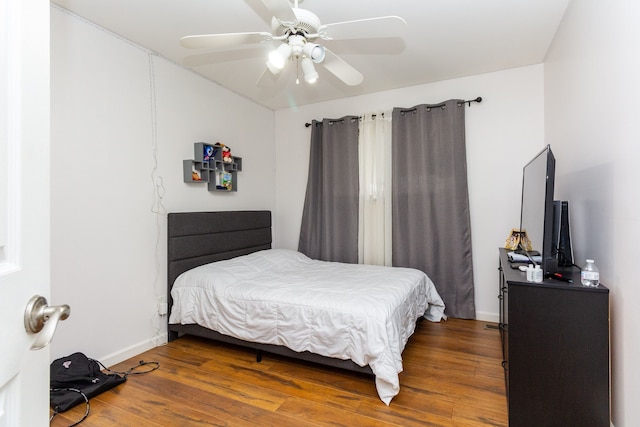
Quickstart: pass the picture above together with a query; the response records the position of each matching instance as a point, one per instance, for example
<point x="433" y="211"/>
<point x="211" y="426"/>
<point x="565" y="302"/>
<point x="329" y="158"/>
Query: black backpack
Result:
<point x="76" y="378"/>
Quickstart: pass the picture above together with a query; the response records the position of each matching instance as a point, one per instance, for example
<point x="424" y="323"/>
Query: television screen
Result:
<point x="536" y="210"/>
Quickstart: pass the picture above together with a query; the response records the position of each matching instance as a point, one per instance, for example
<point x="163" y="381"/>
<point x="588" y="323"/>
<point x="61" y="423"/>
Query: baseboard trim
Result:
<point x="129" y="352"/>
<point x="487" y="317"/>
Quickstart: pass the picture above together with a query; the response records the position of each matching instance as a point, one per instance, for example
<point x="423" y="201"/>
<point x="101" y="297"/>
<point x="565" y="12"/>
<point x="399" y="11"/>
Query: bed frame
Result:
<point x="197" y="238"/>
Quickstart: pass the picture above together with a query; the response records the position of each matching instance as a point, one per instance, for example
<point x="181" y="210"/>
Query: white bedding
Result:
<point x="360" y="312"/>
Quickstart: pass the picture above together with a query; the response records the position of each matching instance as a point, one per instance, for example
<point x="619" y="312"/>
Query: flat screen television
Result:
<point x="537" y="210"/>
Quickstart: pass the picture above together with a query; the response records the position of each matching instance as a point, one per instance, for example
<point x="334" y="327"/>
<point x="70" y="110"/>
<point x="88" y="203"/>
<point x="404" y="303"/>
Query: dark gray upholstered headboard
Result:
<point x="197" y="238"/>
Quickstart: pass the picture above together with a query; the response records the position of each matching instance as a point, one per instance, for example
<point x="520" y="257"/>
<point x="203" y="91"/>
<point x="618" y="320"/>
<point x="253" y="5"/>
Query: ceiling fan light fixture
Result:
<point x="314" y="51"/>
<point x="310" y="73"/>
<point x="275" y="71"/>
<point x="297" y="30"/>
<point x="278" y="57"/>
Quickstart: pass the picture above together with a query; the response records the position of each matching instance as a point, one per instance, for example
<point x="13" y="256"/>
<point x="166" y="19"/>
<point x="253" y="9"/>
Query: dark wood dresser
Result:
<point x="555" y="343"/>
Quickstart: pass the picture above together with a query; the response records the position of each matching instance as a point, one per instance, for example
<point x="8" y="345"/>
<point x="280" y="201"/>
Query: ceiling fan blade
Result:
<point x="384" y="26"/>
<point x="341" y="69"/>
<point x="281" y="10"/>
<point x="217" y="41"/>
<point x="220" y="56"/>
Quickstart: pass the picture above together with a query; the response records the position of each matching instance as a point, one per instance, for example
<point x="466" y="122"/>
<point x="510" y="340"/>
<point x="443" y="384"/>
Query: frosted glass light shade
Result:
<point x="310" y="73"/>
<point x="279" y="57"/>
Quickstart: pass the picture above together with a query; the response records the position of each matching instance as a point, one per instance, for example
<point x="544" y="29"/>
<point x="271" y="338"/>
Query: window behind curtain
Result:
<point x="375" y="189"/>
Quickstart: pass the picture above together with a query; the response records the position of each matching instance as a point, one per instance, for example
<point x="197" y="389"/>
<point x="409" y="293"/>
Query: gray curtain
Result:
<point x="329" y="229"/>
<point x="430" y="200"/>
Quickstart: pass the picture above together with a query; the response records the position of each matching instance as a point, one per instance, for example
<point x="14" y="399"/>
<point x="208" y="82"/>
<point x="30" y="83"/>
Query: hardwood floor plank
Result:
<point x="474" y="414"/>
<point x="412" y="409"/>
<point x="227" y="382"/>
<point x="452" y="377"/>
<point x="294" y="384"/>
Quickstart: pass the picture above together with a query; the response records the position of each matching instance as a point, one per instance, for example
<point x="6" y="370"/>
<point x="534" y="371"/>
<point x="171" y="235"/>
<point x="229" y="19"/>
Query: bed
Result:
<point x="227" y="283"/>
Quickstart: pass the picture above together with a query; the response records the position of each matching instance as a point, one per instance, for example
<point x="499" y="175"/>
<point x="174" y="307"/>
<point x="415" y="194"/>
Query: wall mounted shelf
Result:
<point x="208" y="166"/>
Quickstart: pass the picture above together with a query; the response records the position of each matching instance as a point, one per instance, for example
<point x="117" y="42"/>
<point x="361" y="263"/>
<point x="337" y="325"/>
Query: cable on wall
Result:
<point x="157" y="207"/>
<point x="158" y="193"/>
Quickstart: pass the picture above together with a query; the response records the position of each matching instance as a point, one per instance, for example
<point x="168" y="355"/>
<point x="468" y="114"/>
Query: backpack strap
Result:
<point x="86" y="401"/>
<point x="136" y="370"/>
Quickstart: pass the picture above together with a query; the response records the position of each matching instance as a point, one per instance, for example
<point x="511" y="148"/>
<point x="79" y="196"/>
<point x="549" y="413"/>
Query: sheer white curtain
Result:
<point x="374" y="231"/>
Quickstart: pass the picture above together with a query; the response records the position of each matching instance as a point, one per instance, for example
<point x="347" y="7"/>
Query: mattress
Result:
<point x="363" y="313"/>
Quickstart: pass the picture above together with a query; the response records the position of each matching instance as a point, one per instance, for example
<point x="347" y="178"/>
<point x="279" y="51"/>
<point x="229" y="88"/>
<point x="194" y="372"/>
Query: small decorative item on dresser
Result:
<point x="537" y="274"/>
<point x="590" y="275"/>
<point x="518" y="239"/>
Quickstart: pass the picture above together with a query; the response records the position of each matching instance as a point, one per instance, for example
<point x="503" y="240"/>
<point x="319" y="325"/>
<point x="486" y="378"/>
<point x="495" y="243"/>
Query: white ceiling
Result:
<point x="445" y="39"/>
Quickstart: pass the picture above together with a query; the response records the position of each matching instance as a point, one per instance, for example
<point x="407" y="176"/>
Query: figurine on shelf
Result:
<point x="226" y="152"/>
<point x="208" y="152"/>
<point x="195" y="174"/>
<point x="226" y="181"/>
<point x="226" y="155"/>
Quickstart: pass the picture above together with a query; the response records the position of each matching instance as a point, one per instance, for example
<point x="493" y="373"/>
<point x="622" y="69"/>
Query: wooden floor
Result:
<point x="452" y="377"/>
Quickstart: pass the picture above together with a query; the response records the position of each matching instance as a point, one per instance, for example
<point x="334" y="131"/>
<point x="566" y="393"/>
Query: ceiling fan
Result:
<point x="298" y="30"/>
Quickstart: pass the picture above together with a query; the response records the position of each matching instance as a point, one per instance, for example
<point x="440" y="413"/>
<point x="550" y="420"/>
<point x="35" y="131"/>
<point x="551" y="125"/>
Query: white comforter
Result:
<point x="360" y="312"/>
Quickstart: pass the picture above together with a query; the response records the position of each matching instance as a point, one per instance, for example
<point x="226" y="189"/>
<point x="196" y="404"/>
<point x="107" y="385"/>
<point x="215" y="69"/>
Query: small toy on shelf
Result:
<point x="208" y="153"/>
<point x="195" y="174"/>
<point x="224" y="181"/>
<point x="226" y="155"/>
<point x="226" y="152"/>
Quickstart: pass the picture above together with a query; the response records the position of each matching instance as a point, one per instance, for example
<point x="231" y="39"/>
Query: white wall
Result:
<point x="108" y="247"/>
<point x="503" y="133"/>
<point x="591" y="112"/>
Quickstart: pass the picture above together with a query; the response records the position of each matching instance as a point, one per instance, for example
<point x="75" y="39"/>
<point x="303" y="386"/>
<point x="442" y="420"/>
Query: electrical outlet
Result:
<point x="162" y="306"/>
<point x="162" y="309"/>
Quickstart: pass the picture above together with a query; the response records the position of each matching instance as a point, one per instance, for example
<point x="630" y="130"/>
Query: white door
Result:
<point x="24" y="207"/>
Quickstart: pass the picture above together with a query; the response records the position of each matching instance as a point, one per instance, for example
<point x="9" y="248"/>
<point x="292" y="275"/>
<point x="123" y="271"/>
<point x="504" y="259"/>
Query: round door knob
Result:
<point x="41" y="319"/>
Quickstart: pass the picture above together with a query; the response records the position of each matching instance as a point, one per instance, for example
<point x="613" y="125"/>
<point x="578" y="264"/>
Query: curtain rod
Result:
<point x="460" y="104"/>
